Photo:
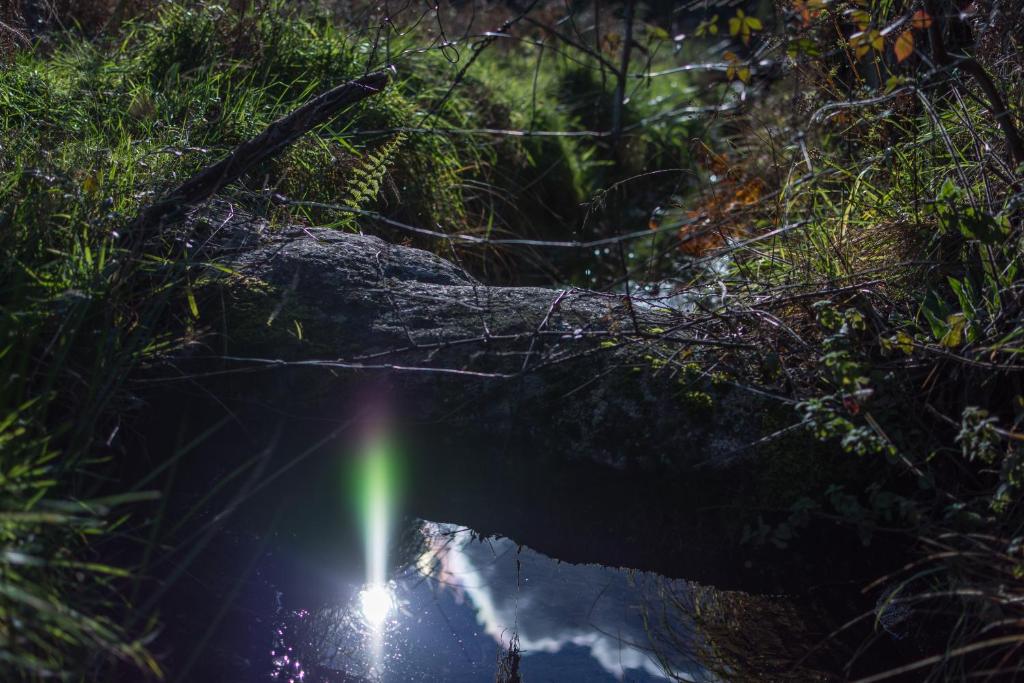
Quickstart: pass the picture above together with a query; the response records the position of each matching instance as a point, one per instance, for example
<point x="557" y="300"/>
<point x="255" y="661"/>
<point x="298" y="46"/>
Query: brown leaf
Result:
<point x="904" y="46"/>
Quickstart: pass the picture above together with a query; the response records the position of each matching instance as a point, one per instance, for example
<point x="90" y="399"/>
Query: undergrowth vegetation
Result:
<point x="841" y="179"/>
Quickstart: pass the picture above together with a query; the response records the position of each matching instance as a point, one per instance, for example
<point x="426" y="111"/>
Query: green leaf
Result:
<point x="938" y="327"/>
<point x="949" y="191"/>
<point x="193" y="307"/>
<point x="657" y="33"/>
<point x="964" y="294"/>
<point x="983" y="227"/>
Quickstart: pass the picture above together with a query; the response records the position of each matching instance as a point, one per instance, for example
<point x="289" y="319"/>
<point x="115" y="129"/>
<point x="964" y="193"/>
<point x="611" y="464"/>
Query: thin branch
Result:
<point x="272" y="141"/>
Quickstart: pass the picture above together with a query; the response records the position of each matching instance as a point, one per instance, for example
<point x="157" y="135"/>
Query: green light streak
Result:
<point x="377" y="484"/>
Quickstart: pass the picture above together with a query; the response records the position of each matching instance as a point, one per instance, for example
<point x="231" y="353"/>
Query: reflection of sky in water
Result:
<point x="575" y="622"/>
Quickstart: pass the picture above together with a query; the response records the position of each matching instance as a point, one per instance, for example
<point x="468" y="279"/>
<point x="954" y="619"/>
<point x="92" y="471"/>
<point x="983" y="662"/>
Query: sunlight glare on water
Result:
<point x="377" y="492"/>
<point x="376" y="602"/>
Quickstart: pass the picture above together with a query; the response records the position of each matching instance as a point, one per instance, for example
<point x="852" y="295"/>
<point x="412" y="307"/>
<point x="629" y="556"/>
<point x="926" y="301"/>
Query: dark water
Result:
<point x="553" y="566"/>
<point x="276" y="590"/>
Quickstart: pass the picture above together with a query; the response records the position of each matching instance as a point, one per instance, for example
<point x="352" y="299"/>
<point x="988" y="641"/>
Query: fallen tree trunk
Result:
<point x="561" y="366"/>
<point x="325" y="327"/>
<point x="562" y="361"/>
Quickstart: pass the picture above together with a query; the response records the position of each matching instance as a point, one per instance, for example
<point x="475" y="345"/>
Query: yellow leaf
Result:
<point x="877" y="41"/>
<point x="657" y="33"/>
<point x="955" y="333"/>
<point x="905" y="342"/>
<point x="754" y="23"/>
<point x="734" y="26"/>
<point x="91" y="184"/>
<point x="904" y="46"/>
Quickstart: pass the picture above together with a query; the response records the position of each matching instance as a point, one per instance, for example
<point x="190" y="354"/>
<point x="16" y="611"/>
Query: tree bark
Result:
<point x="569" y="371"/>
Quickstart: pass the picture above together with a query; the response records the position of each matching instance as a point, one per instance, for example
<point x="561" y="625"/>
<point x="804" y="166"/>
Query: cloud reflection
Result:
<point x="550" y="604"/>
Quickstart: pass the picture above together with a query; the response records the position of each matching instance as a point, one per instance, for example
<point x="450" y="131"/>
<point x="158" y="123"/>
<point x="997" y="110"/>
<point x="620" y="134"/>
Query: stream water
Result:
<point x="292" y="549"/>
<point x="333" y="574"/>
<point x="453" y="613"/>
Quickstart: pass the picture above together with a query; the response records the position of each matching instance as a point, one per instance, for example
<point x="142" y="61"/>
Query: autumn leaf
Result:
<point x="811" y="9"/>
<point x="736" y="68"/>
<point x="712" y="160"/>
<point x="611" y="42"/>
<point x="718" y="164"/>
<point x="904" y="46"/>
<point x="920" y="20"/>
<point x="697" y="241"/>
<point x="851" y="405"/>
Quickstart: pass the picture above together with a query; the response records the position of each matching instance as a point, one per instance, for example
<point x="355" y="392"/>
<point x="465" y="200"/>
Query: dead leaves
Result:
<point x="736" y="68"/>
<point x="726" y="209"/>
<point x="868" y="38"/>
<point x="904" y="45"/>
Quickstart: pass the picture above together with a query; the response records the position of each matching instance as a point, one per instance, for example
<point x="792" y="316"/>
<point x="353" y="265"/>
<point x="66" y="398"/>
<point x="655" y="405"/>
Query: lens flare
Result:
<point x="377" y="508"/>
<point x="376" y="492"/>
<point x="376" y="602"/>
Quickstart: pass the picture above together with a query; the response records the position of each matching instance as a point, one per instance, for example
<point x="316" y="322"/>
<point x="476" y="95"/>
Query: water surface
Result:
<point x="457" y="607"/>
